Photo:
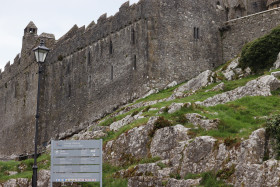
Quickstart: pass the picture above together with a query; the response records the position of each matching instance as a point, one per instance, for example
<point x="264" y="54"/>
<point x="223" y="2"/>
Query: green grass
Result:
<point x="5" y="166"/>
<point x="237" y="118"/>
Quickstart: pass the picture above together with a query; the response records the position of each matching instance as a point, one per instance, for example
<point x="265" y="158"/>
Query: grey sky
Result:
<point x="51" y="16"/>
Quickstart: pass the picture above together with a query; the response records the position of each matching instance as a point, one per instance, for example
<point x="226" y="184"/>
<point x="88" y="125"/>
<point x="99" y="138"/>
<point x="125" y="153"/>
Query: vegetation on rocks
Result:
<point x="261" y="53"/>
<point x="273" y="130"/>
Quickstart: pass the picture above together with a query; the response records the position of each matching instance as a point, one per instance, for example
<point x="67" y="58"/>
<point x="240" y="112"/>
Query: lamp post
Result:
<point x="40" y="53"/>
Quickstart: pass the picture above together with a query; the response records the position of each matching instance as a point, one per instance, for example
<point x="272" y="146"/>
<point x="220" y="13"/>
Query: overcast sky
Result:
<point x="50" y="16"/>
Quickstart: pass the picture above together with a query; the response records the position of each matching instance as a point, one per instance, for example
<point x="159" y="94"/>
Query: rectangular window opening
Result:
<point x="133" y="36"/>
<point x="112" y="72"/>
<point x="88" y="58"/>
<point x="111" y="48"/>
<point x="134" y="62"/>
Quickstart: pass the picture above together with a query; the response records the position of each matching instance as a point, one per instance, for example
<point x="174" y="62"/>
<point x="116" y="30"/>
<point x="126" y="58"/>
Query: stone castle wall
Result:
<point x="90" y="71"/>
<point x="240" y="31"/>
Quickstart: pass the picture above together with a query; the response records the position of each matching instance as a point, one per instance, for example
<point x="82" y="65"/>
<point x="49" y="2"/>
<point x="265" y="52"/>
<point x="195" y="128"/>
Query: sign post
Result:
<point x="76" y="161"/>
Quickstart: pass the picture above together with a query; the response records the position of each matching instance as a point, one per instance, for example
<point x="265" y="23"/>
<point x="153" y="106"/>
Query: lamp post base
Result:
<point x="34" y="176"/>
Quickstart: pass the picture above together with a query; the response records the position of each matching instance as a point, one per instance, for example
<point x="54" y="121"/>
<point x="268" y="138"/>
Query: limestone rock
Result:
<point x="153" y="91"/>
<point x="130" y="145"/>
<point x="219" y="87"/>
<point x="229" y="73"/>
<point x="252" y="150"/>
<point x="201" y="121"/>
<point x="119" y="124"/>
<point x="183" y="183"/>
<point x="144" y="181"/>
<point x="202" y="80"/>
<point x="167" y="139"/>
<point x="258" y="87"/>
<point x="43" y="178"/>
<point x="276" y="74"/>
<point x="271" y="81"/>
<point x="198" y="156"/>
<point x="266" y="174"/>
<point x="12" y="173"/>
<point x="172" y="84"/>
<point x="20" y="182"/>
<point x="276" y="64"/>
<point x="175" y="107"/>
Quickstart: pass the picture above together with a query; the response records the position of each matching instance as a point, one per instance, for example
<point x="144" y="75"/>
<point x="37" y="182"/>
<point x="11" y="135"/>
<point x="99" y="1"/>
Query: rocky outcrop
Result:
<point x="276" y="64"/>
<point x="115" y="126"/>
<point x="175" y="107"/>
<point x="167" y="139"/>
<point x="130" y="146"/>
<point x="259" y="87"/>
<point x="233" y="72"/>
<point x="202" y="80"/>
<point x="43" y="181"/>
<point x="202" y="121"/>
<point x="159" y="182"/>
<point x="219" y="87"/>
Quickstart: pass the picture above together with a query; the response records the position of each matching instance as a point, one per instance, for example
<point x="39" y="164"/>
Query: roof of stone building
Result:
<point x="31" y="25"/>
<point x="270" y="2"/>
<point x="47" y="35"/>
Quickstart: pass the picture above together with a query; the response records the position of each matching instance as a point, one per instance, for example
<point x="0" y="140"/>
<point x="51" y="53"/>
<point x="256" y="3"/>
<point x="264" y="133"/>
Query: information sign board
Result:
<point x="76" y="161"/>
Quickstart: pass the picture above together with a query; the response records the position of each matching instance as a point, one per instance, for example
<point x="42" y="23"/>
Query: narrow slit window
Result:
<point x="69" y="90"/>
<point x="88" y="58"/>
<point x="133" y="36"/>
<point x="112" y="72"/>
<point x="134" y="62"/>
<point x="197" y="33"/>
<point x="111" y="48"/>
<point x="194" y="32"/>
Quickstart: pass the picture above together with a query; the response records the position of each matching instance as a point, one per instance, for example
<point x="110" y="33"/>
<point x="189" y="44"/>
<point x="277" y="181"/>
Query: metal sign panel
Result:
<point x="76" y="161"/>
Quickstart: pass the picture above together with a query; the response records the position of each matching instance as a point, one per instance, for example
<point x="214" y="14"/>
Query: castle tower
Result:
<point x="29" y="38"/>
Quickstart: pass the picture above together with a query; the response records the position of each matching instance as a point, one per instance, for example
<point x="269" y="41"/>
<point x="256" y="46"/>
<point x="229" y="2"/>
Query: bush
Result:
<point x="261" y="53"/>
<point x="161" y="122"/>
<point x="273" y="130"/>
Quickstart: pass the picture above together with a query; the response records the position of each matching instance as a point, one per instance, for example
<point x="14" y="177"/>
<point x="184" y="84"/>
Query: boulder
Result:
<point x="202" y="80"/>
<point x="167" y="139"/>
<point x="219" y="87"/>
<point x="276" y="74"/>
<point x="115" y="126"/>
<point x="175" y="107"/>
<point x="130" y="146"/>
<point x="276" y="64"/>
<point x="172" y="84"/>
<point x="202" y="121"/>
<point x="199" y="156"/>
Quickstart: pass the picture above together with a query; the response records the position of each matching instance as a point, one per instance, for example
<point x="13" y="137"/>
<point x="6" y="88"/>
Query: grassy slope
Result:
<point x="238" y="120"/>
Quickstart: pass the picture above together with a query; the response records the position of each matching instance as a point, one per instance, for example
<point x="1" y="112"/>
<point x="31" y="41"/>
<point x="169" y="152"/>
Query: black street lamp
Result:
<point x="41" y="53"/>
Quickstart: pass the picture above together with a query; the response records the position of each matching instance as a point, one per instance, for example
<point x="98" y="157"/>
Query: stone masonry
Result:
<point x="92" y="70"/>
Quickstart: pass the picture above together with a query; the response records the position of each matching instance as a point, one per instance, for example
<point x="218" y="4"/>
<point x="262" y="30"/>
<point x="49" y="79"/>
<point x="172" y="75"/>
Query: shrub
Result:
<point x="261" y="53"/>
<point x="146" y="109"/>
<point x="273" y="131"/>
<point x="160" y="123"/>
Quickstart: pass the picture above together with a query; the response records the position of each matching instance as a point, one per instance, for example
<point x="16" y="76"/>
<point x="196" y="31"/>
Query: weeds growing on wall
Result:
<point x="261" y="53"/>
<point x="273" y="130"/>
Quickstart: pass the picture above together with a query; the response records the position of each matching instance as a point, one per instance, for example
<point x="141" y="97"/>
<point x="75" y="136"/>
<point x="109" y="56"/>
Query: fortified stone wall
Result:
<point x="240" y="31"/>
<point x="91" y="71"/>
